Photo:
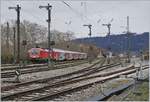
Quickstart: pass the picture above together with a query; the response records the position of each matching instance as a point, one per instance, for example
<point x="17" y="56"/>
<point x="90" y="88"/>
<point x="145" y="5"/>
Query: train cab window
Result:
<point x="35" y="52"/>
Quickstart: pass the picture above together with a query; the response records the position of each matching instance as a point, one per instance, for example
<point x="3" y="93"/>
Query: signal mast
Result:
<point x="108" y="25"/>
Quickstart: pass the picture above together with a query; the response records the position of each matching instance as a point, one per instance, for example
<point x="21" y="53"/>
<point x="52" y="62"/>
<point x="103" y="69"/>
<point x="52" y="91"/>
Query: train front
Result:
<point x="34" y="54"/>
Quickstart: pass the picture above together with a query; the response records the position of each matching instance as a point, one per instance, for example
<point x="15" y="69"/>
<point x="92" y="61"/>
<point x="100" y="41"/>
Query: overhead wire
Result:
<point x="82" y="17"/>
<point x="71" y="8"/>
<point x="35" y="17"/>
<point x="75" y="11"/>
<point x="23" y="10"/>
<point x="84" y="8"/>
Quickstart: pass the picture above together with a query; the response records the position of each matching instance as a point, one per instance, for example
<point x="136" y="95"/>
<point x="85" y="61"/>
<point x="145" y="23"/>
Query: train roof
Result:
<point x="58" y="50"/>
<point x="66" y="51"/>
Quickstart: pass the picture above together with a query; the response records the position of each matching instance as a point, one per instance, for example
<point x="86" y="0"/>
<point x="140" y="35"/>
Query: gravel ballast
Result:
<point x="45" y="74"/>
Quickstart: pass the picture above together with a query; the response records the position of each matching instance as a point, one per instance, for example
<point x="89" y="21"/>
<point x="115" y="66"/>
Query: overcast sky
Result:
<point x="84" y="12"/>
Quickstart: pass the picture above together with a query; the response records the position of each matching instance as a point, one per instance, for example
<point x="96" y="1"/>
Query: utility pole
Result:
<point x="7" y="43"/>
<point x="108" y="34"/>
<point x="14" y="44"/>
<point x="7" y="40"/>
<point x="90" y="47"/>
<point x="109" y="27"/>
<point x="128" y="33"/>
<point x="18" y="30"/>
<point x="89" y="26"/>
<point x="48" y="7"/>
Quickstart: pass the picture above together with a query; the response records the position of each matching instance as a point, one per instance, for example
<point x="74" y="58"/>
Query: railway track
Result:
<point x="58" y="88"/>
<point x="56" y="62"/>
<point x="52" y="78"/>
<point x="14" y="67"/>
<point x="33" y="69"/>
<point x="49" y="95"/>
<point x="56" y="83"/>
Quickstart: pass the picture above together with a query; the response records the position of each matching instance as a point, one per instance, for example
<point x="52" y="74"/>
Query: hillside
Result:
<point x="119" y="42"/>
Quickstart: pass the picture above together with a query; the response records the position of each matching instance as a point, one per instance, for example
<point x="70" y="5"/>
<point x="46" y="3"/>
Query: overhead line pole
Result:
<point x="14" y="44"/>
<point x="128" y="24"/>
<point x="89" y="26"/>
<point x="18" y="30"/>
<point x="108" y="26"/>
<point x="90" y="48"/>
<point x="48" y="7"/>
<point x="7" y="41"/>
<point x="108" y="35"/>
<point x="128" y="33"/>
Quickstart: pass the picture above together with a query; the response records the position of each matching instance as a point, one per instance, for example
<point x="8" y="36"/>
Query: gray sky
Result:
<point x="86" y="12"/>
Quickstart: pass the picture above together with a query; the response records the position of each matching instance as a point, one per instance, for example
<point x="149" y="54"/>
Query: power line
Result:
<point x="84" y="7"/>
<point x="72" y="9"/>
<point x="35" y="17"/>
<point x="29" y="14"/>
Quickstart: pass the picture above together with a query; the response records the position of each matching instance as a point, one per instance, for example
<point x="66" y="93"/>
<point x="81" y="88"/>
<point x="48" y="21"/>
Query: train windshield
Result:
<point x="35" y="51"/>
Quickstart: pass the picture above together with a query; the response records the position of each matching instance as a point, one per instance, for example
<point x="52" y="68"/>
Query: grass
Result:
<point x="141" y="94"/>
<point x="118" y="83"/>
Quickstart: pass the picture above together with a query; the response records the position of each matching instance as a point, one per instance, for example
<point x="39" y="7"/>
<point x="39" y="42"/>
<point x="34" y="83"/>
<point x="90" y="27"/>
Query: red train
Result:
<point x="41" y="54"/>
